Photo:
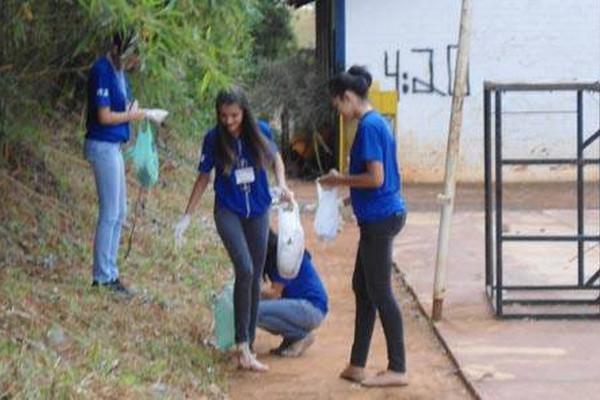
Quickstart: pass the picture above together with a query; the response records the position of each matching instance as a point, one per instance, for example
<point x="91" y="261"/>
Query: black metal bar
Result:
<point x="592" y="278"/>
<point x="550" y="238"/>
<point x="487" y="161"/>
<point x="580" y="194"/>
<point x="539" y="112"/>
<point x="549" y="161"/>
<point x="498" y="159"/>
<point x="499" y="294"/>
<point x="548" y="287"/>
<point x="552" y="316"/>
<point x="588" y="86"/>
<point x="591" y="139"/>
<point x="540" y="302"/>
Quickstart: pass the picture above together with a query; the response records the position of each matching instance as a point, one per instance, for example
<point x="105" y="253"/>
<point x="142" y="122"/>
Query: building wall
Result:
<point x="410" y="47"/>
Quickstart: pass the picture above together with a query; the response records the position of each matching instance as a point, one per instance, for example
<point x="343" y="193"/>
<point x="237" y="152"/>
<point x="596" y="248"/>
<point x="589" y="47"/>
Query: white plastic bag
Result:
<point x="156" y="114"/>
<point x="290" y="243"/>
<point x="328" y="217"/>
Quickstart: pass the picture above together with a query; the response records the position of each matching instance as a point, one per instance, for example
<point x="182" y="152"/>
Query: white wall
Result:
<point x="512" y="41"/>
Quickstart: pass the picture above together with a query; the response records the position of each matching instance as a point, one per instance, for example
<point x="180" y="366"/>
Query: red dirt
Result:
<point x="315" y="374"/>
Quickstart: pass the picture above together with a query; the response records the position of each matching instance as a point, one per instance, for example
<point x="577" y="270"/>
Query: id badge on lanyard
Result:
<point x="244" y="174"/>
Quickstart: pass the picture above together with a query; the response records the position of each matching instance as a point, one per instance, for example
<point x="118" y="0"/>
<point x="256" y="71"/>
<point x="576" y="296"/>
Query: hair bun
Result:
<point x="360" y="71"/>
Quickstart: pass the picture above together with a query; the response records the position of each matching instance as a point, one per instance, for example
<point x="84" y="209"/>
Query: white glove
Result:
<point x="180" y="228"/>
<point x="156" y="114"/>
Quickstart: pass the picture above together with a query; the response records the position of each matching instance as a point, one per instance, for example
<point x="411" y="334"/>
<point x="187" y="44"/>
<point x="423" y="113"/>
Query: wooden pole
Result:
<point x="452" y="156"/>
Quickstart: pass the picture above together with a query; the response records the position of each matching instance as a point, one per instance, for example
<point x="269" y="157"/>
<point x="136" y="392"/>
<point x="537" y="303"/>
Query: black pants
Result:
<point x="245" y="240"/>
<point x="372" y="287"/>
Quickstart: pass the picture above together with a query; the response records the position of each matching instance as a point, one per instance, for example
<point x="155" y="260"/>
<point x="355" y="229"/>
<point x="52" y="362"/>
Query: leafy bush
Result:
<point x="295" y="88"/>
<point x="189" y="50"/>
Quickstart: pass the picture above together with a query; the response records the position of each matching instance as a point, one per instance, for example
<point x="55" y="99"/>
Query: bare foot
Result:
<point x="386" y="378"/>
<point x="250" y="363"/>
<point x="353" y="374"/>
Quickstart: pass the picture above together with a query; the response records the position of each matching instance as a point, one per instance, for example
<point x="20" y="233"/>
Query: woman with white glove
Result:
<point x="240" y="150"/>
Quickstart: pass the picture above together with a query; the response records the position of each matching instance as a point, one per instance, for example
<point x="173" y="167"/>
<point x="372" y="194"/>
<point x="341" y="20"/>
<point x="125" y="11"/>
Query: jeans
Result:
<point x="373" y="293"/>
<point x="109" y="173"/>
<point x="245" y="240"/>
<point x="291" y="318"/>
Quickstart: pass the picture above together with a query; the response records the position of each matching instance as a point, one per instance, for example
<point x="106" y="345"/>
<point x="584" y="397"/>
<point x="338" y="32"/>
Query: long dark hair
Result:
<point x="271" y="260"/>
<point x="251" y="137"/>
<point x="357" y="80"/>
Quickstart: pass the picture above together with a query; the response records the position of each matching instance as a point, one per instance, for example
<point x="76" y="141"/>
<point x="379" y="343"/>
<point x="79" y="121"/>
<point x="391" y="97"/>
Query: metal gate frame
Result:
<point x="494" y="162"/>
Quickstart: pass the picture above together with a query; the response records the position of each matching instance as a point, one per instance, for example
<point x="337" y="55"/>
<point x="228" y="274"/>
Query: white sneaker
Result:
<point x="298" y="348"/>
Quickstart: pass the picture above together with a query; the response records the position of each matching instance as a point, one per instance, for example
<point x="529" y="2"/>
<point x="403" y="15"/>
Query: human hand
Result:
<point x="286" y="195"/>
<point x="180" y="228"/>
<point x="330" y="179"/>
<point x="135" y="112"/>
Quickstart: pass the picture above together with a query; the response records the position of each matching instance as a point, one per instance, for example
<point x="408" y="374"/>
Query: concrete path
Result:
<point x="508" y="359"/>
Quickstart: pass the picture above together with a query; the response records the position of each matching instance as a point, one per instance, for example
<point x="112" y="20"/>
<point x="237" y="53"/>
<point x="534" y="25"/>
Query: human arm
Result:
<point x="101" y="86"/>
<point x="274" y="291"/>
<point x="108" y="117"/>
<point x="279" y="170"/>
<point x="372" y="178"/>
<point x="198" y="190"/>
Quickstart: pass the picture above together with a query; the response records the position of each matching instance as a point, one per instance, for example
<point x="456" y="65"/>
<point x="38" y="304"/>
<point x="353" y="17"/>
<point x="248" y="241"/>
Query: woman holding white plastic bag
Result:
<point x="377" y="202"/>
<point x="239" y="150"/>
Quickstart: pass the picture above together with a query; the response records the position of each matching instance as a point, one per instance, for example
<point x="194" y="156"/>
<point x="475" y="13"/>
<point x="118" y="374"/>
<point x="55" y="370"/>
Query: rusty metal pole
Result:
<point x="452" y="155"/>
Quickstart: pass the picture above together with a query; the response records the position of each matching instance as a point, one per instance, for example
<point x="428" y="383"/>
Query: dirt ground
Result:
<point x="315" y="375"/>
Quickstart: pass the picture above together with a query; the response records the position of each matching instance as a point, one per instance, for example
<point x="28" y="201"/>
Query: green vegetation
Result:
<point x="63" y="339"/>
<point x="59" y="338"/>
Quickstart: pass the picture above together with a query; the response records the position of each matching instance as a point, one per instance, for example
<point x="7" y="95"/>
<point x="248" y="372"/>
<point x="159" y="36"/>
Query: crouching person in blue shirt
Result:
<point x="292" y="308"/>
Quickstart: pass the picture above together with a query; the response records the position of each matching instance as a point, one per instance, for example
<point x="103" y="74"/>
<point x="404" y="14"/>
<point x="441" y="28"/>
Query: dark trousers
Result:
<point x="245" y="240"/>
<point x="372" y="287"/>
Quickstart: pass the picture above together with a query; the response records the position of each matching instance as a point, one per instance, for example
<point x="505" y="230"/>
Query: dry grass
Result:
<point x="59" y="338"/>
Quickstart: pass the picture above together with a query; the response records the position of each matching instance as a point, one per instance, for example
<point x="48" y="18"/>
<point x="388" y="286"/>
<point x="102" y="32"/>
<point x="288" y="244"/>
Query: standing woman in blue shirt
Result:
<point x="375" y="192"/>
<point x="109" y="111"/>
<point x="240" y="152"/>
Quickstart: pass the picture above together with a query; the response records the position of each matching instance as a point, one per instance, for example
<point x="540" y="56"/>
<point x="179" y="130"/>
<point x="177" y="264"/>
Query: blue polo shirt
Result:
<point x="245" y="200"/>
<point x="374" y="142"/>
<point x="107" y="88"/>
<point x="307" y="285"/>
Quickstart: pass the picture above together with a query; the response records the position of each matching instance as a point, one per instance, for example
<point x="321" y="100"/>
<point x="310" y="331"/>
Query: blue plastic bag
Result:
<point x="145" y="157"/>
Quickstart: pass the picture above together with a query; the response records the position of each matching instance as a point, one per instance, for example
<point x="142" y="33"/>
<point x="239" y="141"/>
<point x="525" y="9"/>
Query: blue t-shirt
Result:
<point x="307" y="285"/>
<point x="105" y="89"/>
<point x="266" y="129"/>
<point x="246" y="199"/>
<point x="374" y="142"/>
